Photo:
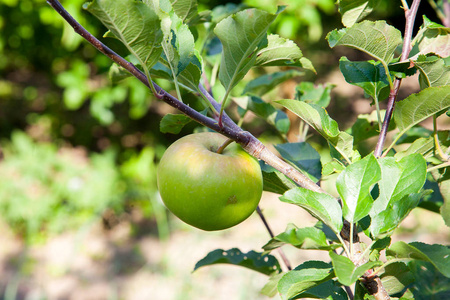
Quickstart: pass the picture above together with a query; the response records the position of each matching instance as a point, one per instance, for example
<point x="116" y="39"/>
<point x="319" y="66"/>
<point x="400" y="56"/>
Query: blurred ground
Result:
<point x="96" y="263"/>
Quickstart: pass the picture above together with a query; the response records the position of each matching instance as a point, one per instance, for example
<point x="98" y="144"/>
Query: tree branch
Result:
<point x="410" y="16"/>
<point x="250" y="144"/>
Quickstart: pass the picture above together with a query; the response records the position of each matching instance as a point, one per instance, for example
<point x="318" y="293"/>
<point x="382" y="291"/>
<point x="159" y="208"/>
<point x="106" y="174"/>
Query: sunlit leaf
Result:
<point x="135" y="24"/>
<point x="418" y="107"/>
<point x="321" y="206"/>
<point x="185" y="9"/>
<point x="378" y="39"/>
<point x="353" y="11"/>
<point x="302" y="238"/>
<point x="432" y="38"/>
<point x="318" y="118"/>
<point x="282" y="52"/>
<point x="265" y="264"/>
<point x="396" y="277"/>
<point x="354" y="184"/>
<point x="346" y="271"/>
<point x="434" y="71"/>
<point x="304" y="277"/>
<point x="242" y="36"/>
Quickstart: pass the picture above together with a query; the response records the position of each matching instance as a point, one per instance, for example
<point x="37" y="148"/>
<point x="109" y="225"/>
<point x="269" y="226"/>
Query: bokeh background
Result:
<point x="80" y="215"/>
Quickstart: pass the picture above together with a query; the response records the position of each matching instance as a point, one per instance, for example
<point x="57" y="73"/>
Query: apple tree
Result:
<point x="197" y="51"/>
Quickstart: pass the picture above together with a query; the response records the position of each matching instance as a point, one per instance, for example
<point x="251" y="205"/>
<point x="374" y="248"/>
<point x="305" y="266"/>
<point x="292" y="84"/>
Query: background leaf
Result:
<point x="171" y="123"/>
<point x="319" y="94"/>
<point x="354" y="184"/>
<point x="368" y="75"/>
<point x="265" y="83"/>
<point x="275" y="181"/>
<point x="303" y="156"/>
<point x="273" y="116"/>
<point x="265" y="264"/>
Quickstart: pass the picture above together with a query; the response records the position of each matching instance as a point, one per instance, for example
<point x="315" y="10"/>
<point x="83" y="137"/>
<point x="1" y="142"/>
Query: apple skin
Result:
<point x="205" y="189"/>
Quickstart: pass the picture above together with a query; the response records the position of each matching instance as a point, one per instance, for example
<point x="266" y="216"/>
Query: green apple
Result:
<point x="205" y="189"/>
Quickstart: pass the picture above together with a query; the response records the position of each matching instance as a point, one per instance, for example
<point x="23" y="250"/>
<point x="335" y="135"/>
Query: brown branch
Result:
<point x="410" y="16"/>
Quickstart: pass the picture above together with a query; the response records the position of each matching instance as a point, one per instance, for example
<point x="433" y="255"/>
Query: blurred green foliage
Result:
<point x="76" y="146"/>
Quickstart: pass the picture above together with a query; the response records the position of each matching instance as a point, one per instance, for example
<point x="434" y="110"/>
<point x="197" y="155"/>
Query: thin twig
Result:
<point x="280" y="251"/>
<point x="410" y="16"/>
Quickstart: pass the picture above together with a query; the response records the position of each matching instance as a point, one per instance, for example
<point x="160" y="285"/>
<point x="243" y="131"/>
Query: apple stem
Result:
<point x="224" y="145"/>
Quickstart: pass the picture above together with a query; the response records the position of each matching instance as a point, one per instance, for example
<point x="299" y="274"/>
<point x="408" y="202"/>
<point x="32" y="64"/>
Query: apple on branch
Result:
<point x="207" y="189"/>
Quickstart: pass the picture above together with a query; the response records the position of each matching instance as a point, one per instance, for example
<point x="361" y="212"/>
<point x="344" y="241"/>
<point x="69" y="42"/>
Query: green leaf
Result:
<point x="304" y="277"/>
<point x="302" y="238"/>
<point x="418" y="107"/>
<point x="369" y="75"/>
<point x="378" y="39"/>
<point x="436" y="254"/>
<point x="330" y="289"/>
<point x="353" y="11"/>
<point x="386" y="221"/>
<point x="396" y="277"/>
<point x="265" y="83"/>
<point x="265" y="264"/>
<point x="354" y="185"/>
<point x="321" y="206"/>
<point x="331" y="167"/>
<point x="421" y="146"/>
<point x="171" y="123"/>
<point x="399" y="179"/>
<point x="270" y="289"/>
<point x="432" y="38"/>
<point x="318" y="118"/>
<point x="266" y="111"/>
<point x="274" y="181"/>
<point x="433" y="71"/>
<point x="185" y="9"/>
<point x="346" y="271"/>
<point x="311" y="93"/>
<point x="134" y="24"/>
<point x="178" y="43"/>
<point x="432" y="284"/>
<point x="366" y="126"/>
<point x="242" y="36"/>
<point x="282" y="52"/>
<point x="303" y="156"/>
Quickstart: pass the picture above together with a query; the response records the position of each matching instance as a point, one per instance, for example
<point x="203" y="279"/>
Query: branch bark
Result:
<point x="410" y="16"/>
